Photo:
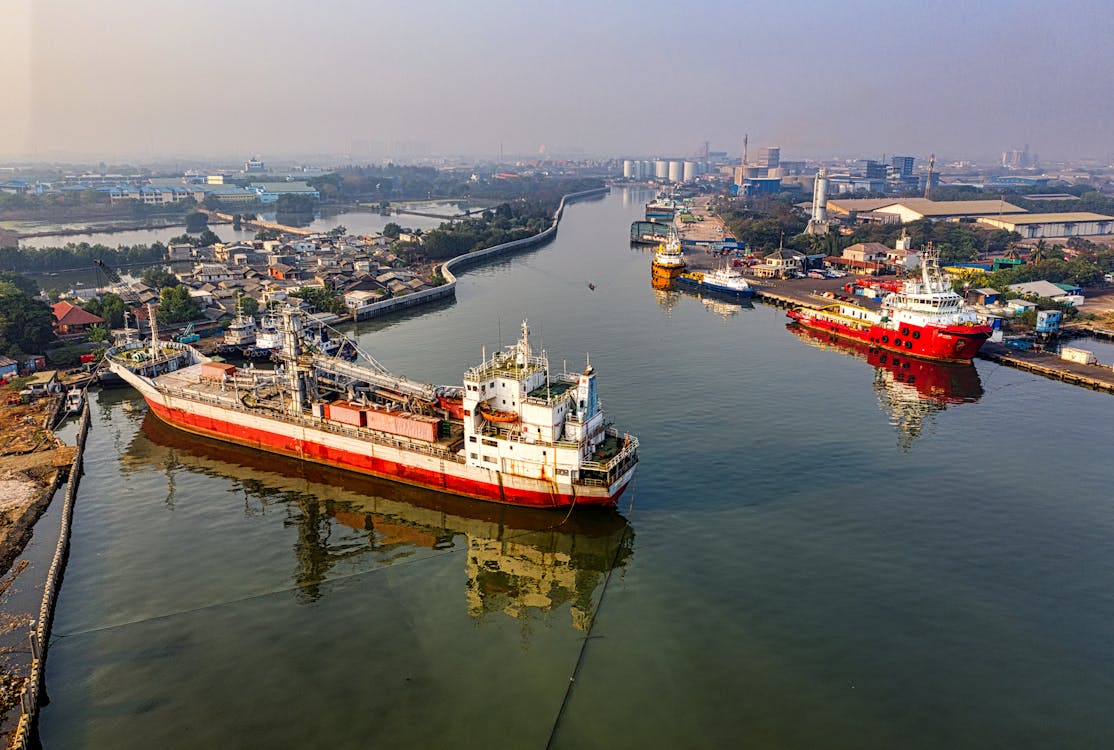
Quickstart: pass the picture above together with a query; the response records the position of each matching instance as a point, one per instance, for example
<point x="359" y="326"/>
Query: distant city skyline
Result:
<point x="124" y="80"/>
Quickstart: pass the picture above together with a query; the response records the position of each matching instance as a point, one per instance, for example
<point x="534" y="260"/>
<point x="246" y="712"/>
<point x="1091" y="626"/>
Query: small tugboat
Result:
<point x="925" y="319"/>
<point x="669" y="260"/>
<point x="241" y="331"/>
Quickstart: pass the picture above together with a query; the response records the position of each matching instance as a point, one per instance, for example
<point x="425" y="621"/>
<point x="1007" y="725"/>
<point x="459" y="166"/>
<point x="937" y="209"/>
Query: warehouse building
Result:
<point x="1036" y="226"/>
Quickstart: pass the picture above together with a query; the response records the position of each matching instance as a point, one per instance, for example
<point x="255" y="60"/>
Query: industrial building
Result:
<point x="906" y="210"/>
<point x="1035" y="226"/>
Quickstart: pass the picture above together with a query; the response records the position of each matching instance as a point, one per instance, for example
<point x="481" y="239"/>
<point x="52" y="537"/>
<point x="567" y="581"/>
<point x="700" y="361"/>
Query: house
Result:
<point x="871" y="252"/>
<point x="984" y="296"/>
<point x="1020" y="306"/>
<point x="71" y="320"/>
<point x="1043" y="289"/>
<point x="861" y="267"/>
<point x="212" y="273"/>
<point x="284" y="272"/>
<point x="43" y="383"/>
<point x="179" y="251"/>
<point x="781" y="264"/>
<point x="359" y="301"/>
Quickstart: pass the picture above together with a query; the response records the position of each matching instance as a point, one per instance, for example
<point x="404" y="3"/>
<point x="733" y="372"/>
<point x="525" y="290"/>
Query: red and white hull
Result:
<point x="329" y="445"/>
<point x="955" y="343"/>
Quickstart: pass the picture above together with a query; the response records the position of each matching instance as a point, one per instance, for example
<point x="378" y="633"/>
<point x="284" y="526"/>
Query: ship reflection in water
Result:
<point x="668" y="295"/>
<point x="910" y="390"/>
<point x="520" y="561"/>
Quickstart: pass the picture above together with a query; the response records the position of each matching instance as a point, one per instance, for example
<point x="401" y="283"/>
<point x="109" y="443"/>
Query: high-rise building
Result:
<point x="901" y="166"/>
<point x="873" y="170"/>
<point x="769" y="157"/>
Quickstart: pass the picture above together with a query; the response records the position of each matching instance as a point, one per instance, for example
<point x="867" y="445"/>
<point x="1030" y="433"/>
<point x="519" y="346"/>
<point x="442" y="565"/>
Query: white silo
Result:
<point x="661" y="169"/>
<point x="820" y="196"/>
<point x="647" y="169"/>
<point x="628" y="169"/>
<point x="676" y="171"/>
<point x="689" y="173"/>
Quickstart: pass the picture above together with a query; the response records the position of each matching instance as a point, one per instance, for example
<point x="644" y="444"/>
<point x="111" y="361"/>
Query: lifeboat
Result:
<point x="494" y="415"/>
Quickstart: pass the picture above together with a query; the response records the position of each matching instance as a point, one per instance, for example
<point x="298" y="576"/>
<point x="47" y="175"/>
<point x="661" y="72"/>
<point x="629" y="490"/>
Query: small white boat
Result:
<point x="75" y="399"/>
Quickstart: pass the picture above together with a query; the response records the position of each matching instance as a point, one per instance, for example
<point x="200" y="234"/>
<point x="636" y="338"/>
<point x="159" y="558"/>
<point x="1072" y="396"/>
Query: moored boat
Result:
<point x="727" y="281"/>
<point x="556" y="450"/>
<point x="669" y="260"/>
<point x="926" y="319"/>
<point x="75" y="399"/>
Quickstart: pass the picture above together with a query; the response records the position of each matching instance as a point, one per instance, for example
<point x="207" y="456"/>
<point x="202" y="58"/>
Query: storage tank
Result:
<point x="676" y="171"/>
<point x="628" y="170"/>
<point x="689" y="173"/>
<point x="661" y="169"/>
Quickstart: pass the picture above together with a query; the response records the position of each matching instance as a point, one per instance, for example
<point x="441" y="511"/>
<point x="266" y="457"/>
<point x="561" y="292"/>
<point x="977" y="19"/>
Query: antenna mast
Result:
<point x="928" y="180"/>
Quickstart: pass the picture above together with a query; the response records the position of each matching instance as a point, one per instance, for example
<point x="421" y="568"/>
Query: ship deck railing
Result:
<point x="307" y="420"/>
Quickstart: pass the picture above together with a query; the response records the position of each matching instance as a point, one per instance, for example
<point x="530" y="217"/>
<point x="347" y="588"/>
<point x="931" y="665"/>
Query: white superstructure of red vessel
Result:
<point x="926" y="319"/>
<point x="514" y="433"/>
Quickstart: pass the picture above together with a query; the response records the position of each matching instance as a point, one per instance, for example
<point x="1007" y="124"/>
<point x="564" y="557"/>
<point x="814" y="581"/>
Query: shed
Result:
<point x="8" y="367"/>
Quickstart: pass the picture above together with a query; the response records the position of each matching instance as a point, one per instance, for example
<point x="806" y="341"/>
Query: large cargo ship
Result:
<point x="925" y="319"/>
<point x="514" y="433"/>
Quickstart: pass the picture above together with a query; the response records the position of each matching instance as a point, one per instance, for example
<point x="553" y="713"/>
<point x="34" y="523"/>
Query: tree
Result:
<point x="207" y="238"/>
<point x="26" y="324"/>
<point x="247" y="305"/>
<point x="268" y="233"/>
<point x="24" y="284"/>
<point x="176" y="305"/>
<point x="196" y="222"/>
<point x="392" y="230"/>
<point x="158" y="278"/>
<point x="110" y="307"/>
<point x="97" y="334"/>
<point x="338" y="231"/>
<point x="289" y="203"/>
<point x="237" y="222"/>
<point x="322" y="299"/>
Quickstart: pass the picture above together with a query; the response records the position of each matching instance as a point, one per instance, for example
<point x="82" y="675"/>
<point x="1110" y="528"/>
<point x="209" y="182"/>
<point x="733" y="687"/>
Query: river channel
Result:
<point x="819" y="551"/>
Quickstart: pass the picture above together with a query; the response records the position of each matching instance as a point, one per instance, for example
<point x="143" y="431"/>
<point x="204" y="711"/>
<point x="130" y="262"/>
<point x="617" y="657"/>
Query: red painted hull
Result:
<point x="944" y="344"/>
<point x="942" y="382"/>
<point x="256" y="437"/>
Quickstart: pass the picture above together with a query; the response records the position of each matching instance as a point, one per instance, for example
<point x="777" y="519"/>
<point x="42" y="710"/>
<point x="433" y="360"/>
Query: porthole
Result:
<point x="908" y="344"/>
<point x="905" y="331"/>
<point x="916" y="334"/>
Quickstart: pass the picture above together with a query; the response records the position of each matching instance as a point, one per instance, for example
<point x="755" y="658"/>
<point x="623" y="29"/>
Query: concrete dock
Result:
<point x="1095" y="377"/>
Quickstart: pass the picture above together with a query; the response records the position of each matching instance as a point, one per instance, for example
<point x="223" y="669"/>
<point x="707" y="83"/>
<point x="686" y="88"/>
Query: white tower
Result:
<point x="818" y="224"/>
<point x="820" y="196"/>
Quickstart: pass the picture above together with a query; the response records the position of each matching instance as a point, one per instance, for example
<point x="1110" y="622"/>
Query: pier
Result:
<point x="1096" y="377"/>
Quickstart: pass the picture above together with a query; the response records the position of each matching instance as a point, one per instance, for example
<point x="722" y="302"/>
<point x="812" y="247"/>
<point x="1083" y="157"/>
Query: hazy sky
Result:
<point x="243" y="77"/>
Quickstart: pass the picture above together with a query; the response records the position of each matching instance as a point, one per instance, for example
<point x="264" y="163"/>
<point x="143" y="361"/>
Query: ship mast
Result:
<point x="154" y="331"/>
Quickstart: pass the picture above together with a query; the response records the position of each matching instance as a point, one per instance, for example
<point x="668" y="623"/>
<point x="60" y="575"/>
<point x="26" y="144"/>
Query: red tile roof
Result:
<point x="66" y="314"/>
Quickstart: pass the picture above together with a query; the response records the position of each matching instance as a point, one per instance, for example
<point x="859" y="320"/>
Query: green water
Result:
<point x="813" y="555"/>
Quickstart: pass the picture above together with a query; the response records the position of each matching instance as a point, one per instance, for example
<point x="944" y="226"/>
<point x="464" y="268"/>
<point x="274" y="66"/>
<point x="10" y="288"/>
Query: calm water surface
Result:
<point x="816" y="553"/>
